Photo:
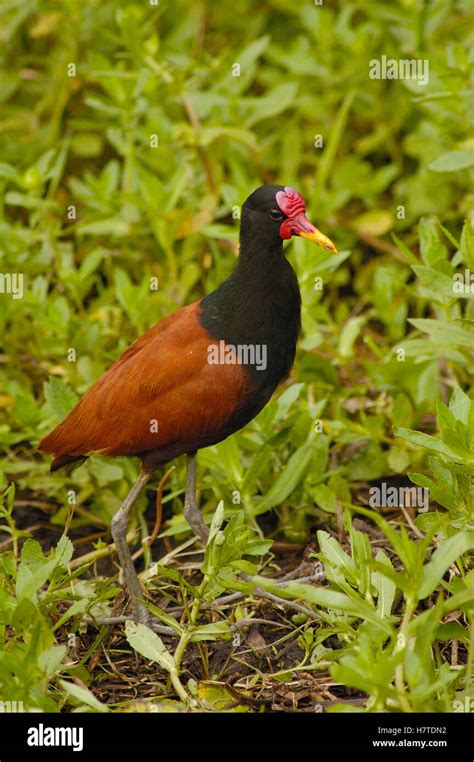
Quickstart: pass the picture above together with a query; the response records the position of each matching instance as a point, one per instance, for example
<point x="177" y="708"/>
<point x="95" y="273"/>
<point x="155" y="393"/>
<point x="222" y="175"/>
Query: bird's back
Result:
<point x="162" y="396"/>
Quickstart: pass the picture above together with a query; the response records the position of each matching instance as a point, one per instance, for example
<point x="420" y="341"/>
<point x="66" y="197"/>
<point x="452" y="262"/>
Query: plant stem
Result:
<point x="399" y="671"/>
<point x="186" y="636"/>
<point x="179" y="687"/>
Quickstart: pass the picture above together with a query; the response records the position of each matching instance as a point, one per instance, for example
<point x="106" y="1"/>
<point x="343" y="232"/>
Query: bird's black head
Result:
<point x="273" y="213"/>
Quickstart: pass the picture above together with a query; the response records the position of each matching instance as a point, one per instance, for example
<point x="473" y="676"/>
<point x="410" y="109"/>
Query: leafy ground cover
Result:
<point x="129" y="135"/>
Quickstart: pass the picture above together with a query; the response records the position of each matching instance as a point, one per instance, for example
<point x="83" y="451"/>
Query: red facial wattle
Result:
<point x="292" y="204"/>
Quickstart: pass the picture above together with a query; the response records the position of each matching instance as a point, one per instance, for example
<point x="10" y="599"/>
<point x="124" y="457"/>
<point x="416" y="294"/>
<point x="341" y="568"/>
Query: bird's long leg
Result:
<point x="119" y="534"/>
<point x="192" y="513"/>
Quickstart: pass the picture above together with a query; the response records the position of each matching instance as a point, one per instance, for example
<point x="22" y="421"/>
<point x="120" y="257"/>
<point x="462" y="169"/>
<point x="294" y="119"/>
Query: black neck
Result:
<point x="259" y="304"/>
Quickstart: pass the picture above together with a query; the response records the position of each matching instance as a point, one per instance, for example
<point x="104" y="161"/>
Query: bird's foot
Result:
<point x="141" y="615"/>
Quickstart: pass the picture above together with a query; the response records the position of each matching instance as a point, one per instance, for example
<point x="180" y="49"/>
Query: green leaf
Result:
<point x="328" y="158"/>
<point x="375" y="223"/>
<point x="113" y="226"/>
<point x="325" y="498"/>
<point x="63" y="551"/>
<point x="403" y="248"/>
<point x="83" y="695"/>
<point x="460" y="405"/>
<point x="229" y="455"/>
<point x="78" y="607"/>
<point x="447" y="554"/>
<point x="124" y="289"/>
<point x="59" y="397"/>
<point x="167" y="619"/>
<point x="439" y="285"/>
<point x="452" y="161"/>
<point x="398" y="459"/>
<point x="211" y="631"/>
<point x="247" y="59"/>
<point x="467" y="244"/>
<point x="220" y="232"/>
<point x="323" y="597"/>
<point x="462" y="600"/>
<point x="217" y="521"/>
<point x="431" y="249"/>
<point x="349" y="334"/>
<point x="431" y="443"/>
<point x="91" y="262"/>
<point x="286" y="482"/>
<point x="148" y="644"/>
<point x="105" y="471"/>
<point x="50" y="659"/>
<point x="35" y="568"/>
<point x="332" y="552"/>
<point x="446" y="333"/>
<point x="385" y="586"/>
<point x="272" y="103"/>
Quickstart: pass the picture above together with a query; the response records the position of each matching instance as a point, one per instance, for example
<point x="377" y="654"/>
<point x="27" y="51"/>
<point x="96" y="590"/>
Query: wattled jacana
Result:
<point x="186" y="384"/>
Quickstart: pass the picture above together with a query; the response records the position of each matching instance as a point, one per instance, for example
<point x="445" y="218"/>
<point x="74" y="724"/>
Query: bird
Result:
<point x="201" y="373"/>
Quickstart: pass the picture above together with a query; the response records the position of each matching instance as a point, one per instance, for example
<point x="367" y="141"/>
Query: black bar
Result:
<point x="422" y="734"/>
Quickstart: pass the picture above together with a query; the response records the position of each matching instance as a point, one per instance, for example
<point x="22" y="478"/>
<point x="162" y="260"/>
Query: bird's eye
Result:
<point x="275" y="214"/>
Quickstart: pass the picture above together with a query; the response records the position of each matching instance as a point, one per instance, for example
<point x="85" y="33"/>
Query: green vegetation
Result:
<point x="127" y="144"/>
